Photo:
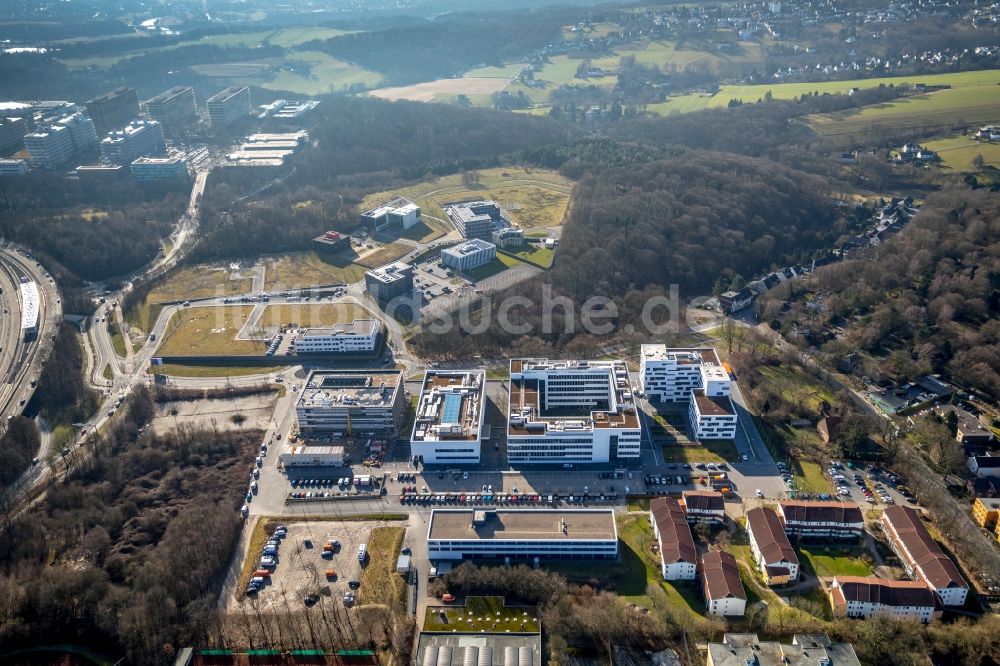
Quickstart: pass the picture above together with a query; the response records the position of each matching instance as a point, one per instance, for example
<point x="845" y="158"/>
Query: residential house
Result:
<point x="734" y="301"/>
<point x="678" y="556"/>
<point x="721" y="584"/>
<point x="921" y="555"/>
<point x="772" y="552"/>
<point x="838" y="520"/>
<point x="985" y="511"/>
<point x="970" y="431"/>
<point x="865" y="597"/>
<point x="829" y="427"/>
<point x="982" y="466"/>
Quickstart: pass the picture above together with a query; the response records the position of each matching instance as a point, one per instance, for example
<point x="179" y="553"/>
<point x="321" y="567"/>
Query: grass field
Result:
<point x="831" y="562"/>
<point x="208" y="331"/>
<point x="380" y="584"/>
<point x="958" y="152"/>
<point x="809" y="477"/>
<point x="386" y="254"/>
<point x="481" y="613"/>
<point x="108" y="373"/>
<point x="498" y="265"/>
<point x="117" y="339"/>
<point x="715" y="451"/>
<point x="478" y="89"/>
<point x="200" y="371"/>
<point x="317" y="73"/>
<point x="308" y="269"/>
<point x="194" y="282"/>
<point x="532" y="197"/>
<point x="312" y="315"/>
<point x="796" y="386"/>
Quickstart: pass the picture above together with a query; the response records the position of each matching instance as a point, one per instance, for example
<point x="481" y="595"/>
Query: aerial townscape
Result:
<point x="500" y="333"/>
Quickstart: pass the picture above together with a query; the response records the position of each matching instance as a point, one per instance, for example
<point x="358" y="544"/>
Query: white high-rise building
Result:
<point x="50" y="147"/>
<point x="139" y="138"/>
<point x="571" y="412"/>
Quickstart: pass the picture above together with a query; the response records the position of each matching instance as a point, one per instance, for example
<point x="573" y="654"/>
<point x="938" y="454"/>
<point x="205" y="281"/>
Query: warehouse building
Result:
<point x="470" y="254"/>
<point x="313" y="456"/>
<point x="480" y="649"/>
<point x="342" y="403"/>
<point x="498" y="534"/>
<point x="571" y="412"/>
<point x="359" y="337"/>
<point x="390" y="281"/>
<point x="448" y="428"/>
<point x="229" y="105"/>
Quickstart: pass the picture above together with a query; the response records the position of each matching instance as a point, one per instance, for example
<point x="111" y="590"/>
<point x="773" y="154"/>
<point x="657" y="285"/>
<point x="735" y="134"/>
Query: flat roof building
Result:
<point x="145" y="169"/>
<point x="229" y="105"/>
<point x="344" y="403"/>
<point x="448" y="427"/>
<point x="703" y="506"/>
<point x="313" y="456"/>
<point x="479" y="649"/>
<point x="772" y="552"/>
<point x="12" y="131"/>
<point x="922" y="556"/>
<point x="476" y="219"/>
<point x="13" y="167"/>
<point x="457" y="534"/>
<point x="359" y="337"/>
<point x="331" y="242"/>
<point x="805" y="649"/>
<point x="400" y="212"/>
<point x="468" y="255"/>
<point x="864" y="597"/>
<point x="671" y="374"/>
<point x="175" y="109"/>
<point x="571" y="412"/>
<point x="390" y="281"/>
<point x="721" y="584"/>
<point x="678" y="556"/>
<point x="140" y="138"/>
<point x="113" y="109"/>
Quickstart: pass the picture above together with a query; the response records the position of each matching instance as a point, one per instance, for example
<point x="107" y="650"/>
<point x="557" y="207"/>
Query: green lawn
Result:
<point x="108" y="373"/>
<point x="317" y="73"/>
<point x="831" y="562"/>
<point x="796" y="386"/>
<point x="177" y="370"/>
<point x="534" y="253"/>
<point x="809" y="477"/>
<point x="710" y="451"/>
<point x="208" y="331"/>
<point x="958" y="152"/>
<point x="117" y="339"/>
<point x="498" y="265"/>
<point x="482" y="613"/>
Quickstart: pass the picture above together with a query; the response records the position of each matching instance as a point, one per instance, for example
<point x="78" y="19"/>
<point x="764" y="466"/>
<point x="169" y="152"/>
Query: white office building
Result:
<point x="470" y="254"/>
<point x="50" y="147"/>
<point x="669" y="375"/>
<point x="358" y="337"/>
<point x="498" y="534"/>
<point x="140" y="138"/>
<point x="448" y="428"/>
<point x="344" y="403"/>
<point x="399" y="212"/>
<point x="571" y="412"/>
<point x="711" y="417"/>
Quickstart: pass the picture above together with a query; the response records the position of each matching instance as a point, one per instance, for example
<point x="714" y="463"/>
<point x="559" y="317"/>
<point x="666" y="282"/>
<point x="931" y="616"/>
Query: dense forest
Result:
<point x="927" y="300"/>
<point x="88" y="231"/>
<point x="63" y="395"/>
<point x="98" y="562"/>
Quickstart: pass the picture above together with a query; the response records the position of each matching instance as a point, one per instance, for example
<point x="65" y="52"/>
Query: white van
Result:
<point x="362" y="552"/>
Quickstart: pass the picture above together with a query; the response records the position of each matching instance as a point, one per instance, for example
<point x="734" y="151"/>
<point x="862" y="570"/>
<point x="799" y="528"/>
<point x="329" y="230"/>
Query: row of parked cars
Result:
<point x="268" y="561"/>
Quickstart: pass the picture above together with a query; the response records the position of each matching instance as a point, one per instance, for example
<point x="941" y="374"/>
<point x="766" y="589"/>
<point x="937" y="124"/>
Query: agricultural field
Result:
<point x="317" y="73"/>
<point x="958" y="153"/>
<point x="477" y="88"/>
<point x="208" y="331"/>
<point x="311" y="316"/>
<point x="532" y="197"/>
<point x="307" y="269"/>
<point x="480" y="613"/>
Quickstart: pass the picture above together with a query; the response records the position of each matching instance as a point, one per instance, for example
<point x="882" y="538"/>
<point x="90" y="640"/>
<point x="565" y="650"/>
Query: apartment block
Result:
<point x="772" y="552"/>
<point x="830" y="520"/>
<point x="229" y="106"/>
<point x="571" y="412"/>
<point x="678" y="556"/>
<point x="865" y="597"/>
<point x="343" y="403"/>
<point x="922" y="556"/>
<point x="12" y="131"/>
<point x="50" y="146"/>
<point x="448" y="428"/>
<point x="721" y="584"/>
<point x="703" y="506"/>
<point x="174" y="108"/>
<point x="140" y="138"/>
<point x="113" y="109"/>
<point x="985" y="511"/>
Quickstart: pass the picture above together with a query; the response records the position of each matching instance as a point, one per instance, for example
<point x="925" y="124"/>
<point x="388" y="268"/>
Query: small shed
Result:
<point x="403" y="564"/>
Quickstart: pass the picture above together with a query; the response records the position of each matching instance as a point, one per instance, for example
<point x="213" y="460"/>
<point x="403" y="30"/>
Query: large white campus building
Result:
<point x="571" y="412"/>
<point x="471" y="254"/>
<point x="694" y="376"/>
<point x="458" y="534"/>
<point x="344" y="403"/>
<point x="360" y="336"/>
<point x="448" y="428"/>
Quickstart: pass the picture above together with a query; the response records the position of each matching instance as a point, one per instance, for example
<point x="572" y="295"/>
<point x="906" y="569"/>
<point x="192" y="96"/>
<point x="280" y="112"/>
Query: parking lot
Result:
<point x="302" y="564"/>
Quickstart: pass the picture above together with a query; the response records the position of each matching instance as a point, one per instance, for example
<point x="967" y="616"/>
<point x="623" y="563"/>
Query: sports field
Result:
<point x="532" y="197"/>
